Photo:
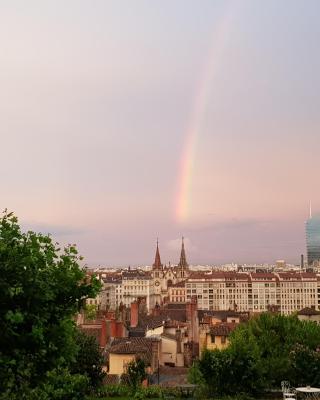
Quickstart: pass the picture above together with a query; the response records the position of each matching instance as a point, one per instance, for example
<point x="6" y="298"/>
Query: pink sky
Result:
<point x="97" y="104"/>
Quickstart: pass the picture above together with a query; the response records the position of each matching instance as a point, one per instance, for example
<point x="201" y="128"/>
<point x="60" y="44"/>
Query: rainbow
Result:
<point x="185" y="176"/>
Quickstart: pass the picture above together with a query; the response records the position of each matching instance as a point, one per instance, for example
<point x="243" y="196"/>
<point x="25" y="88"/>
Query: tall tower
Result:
<point x="313" y="239"/>
<point x="183" y="266"/>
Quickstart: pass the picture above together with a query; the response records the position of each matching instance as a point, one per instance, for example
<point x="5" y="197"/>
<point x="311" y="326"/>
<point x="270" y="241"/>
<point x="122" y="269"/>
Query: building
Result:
<point x="177" y="292"/>
<point x="297" y="291"/>
<point x="253" y="291"/>
<point x="111" y="293"/>
<point x="166" y="276"/>
<point x="216" y="336"/>
<point x="286" y="292"/>
<point x="309" y="314"/>
<point x="124" y="350"/>
<point x="219" y="290"/>
<point x="313" y="240"/>
<point x="263" y="292"/>
<point x="137" y="284"/>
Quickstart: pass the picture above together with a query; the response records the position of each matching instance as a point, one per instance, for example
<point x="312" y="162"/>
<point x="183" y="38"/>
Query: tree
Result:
<point x="136" y="372"/>
<point x="270" y="339"/>
<point x="89" y="360"/>
<point x="263" y="352"/>
<point x="215" y="367"/>
<point x="306" y="365"/>
<point x="90" y="311"/>
<point x="41" y="289"/>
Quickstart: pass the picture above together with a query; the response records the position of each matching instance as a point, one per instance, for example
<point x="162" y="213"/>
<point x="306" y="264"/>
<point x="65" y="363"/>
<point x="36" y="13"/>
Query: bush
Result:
<point x="60" y="385"/>
<point x="152" y="392"/>
<point x="139" y="395"/>
<point x="116" y="390"/>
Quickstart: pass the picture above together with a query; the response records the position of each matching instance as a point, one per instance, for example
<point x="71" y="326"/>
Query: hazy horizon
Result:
<point x="124" y="121"/>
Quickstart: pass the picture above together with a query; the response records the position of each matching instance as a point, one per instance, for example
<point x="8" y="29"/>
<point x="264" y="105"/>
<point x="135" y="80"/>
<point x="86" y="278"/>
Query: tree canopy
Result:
<point x="263" y="352"/>
<point x="42" y="287"/>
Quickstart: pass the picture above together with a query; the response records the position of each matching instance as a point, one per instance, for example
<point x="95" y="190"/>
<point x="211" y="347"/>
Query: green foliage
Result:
<point x="194" y="374"/>
<point x="61" y="385"/>
<point x="215" y="367"/>
<point x="149" y="392"/>
<point x="270" y="339"/>
<point x="262" y="353"/>
<point x="89" y="360"/>
<point x="90" y="311"/>
<point x="139" y="394"/>
<point x="170" y="392"/>
<point x="116" y="390"/>
<point x="306" y="365"/>
<point x="136" y="373"/>
<point x="41" y="288"/>
<point x="152" y="392"/>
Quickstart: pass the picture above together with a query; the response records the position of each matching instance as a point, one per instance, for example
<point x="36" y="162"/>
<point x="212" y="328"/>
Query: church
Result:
<point x="164" y="276"/>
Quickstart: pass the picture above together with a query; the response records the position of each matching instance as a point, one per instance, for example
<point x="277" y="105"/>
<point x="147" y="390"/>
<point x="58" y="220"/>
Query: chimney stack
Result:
<point x="103" y="336"/>
<point x="113" y="328"/>
<point x="178" y="337"/>
<point x="134" y="314"/>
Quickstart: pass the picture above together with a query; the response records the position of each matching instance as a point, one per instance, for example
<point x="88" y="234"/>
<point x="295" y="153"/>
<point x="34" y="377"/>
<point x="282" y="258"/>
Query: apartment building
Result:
<point x="111" y="294"/>
<point x="138" y="284"/>
<point x="298" y="291"/>
<point x="254" y="292"/>
<point x="177" y="292"/>
<point x="263" y="292"/>
<point x="219" y="290"/>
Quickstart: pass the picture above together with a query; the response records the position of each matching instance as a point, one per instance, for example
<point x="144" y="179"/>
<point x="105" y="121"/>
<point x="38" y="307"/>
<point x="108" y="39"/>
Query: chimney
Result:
<point x="178" y="337"/>
<point x="103" y="335"/>
<point x="113" y="328"/>
<point x="119" y="329"/>
<point x="110" y="314"/>
<point x="156" y="310"/>
<point x="134" y="314"/>
<point x="192" y="318"/>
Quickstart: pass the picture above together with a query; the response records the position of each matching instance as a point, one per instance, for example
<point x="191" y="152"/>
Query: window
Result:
<point x="223" y="339"/>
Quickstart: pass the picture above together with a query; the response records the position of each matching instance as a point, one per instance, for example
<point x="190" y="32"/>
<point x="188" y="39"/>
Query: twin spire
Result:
<point x="183" y="260"/>
<point x="157" y="259"/>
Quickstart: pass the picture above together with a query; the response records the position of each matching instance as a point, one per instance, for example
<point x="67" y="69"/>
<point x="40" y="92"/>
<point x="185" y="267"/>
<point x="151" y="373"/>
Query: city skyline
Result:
<point x="127" y="121"/>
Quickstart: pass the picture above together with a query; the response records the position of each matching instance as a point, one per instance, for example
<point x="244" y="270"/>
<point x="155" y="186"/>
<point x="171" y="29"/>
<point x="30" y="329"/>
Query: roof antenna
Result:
<point x="310" y="210"/>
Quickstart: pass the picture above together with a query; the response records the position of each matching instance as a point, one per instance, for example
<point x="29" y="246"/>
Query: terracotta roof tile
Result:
<point x="308" y="311"/>
<point x="222" y="329"/>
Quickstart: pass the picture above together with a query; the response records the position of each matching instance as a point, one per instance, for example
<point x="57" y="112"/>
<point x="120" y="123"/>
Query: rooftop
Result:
<point x="308" y="311"/>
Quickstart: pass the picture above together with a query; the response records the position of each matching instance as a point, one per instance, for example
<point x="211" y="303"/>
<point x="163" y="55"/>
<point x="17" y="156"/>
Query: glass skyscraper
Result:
<point x="313" y="239"/>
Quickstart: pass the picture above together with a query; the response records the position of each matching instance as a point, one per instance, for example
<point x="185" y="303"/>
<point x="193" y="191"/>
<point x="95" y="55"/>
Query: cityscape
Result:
<point x="192" y="302"/>
<point x="160" y="212"/>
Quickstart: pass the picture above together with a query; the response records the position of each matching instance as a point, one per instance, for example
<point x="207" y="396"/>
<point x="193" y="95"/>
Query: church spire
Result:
<point x="183" y="260"/>
<point x="157" y="259"/>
